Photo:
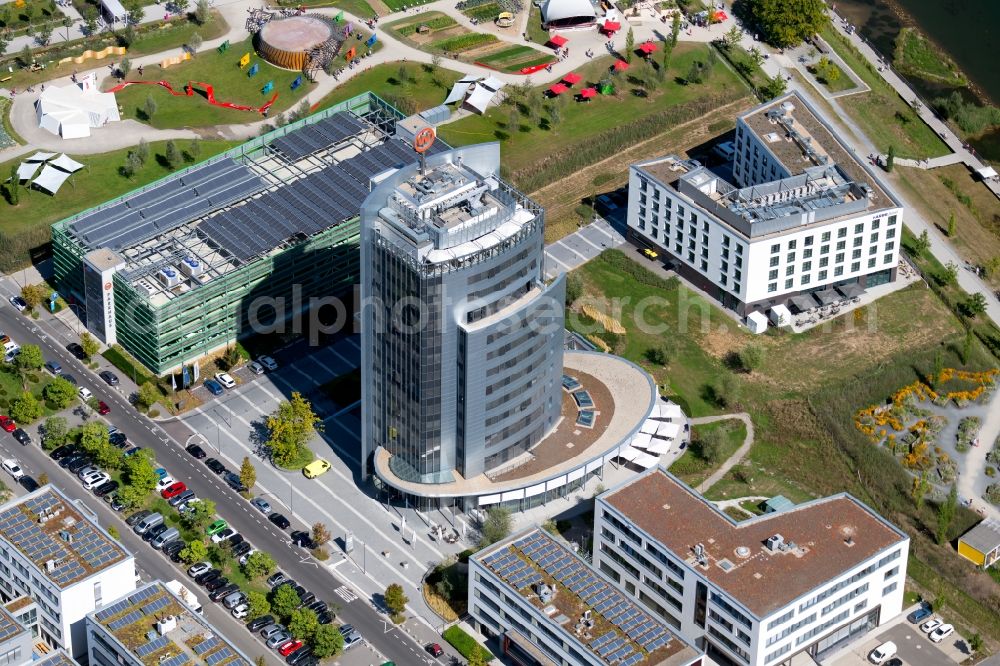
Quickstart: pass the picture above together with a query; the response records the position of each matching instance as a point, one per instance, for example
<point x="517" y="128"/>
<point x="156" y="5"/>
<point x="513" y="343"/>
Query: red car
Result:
<point x="7" y="424"/>
<point x="102" y="408"/>
<point x="173" y="490"/>
<point x="289" y="647"/>
<point x="435" y="650"/>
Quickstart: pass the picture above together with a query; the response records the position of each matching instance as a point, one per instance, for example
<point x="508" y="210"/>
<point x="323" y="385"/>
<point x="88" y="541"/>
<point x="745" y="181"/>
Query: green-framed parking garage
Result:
<point x="236" y="244"/>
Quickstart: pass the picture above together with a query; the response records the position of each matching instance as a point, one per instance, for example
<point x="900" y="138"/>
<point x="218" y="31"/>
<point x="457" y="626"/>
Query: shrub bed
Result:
<point x="465" y="644"/>
<point x="117" y="357"/>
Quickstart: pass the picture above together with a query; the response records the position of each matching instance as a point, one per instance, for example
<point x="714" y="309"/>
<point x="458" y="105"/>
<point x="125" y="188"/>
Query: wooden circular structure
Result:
<point x="287" y="42"/>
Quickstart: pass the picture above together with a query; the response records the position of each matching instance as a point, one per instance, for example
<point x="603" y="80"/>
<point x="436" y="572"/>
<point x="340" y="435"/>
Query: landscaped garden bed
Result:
<point x="968" y="432"/>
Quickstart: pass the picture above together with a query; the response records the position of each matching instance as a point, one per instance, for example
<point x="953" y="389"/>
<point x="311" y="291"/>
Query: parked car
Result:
<point x="137" y="516"/>
<point x="346" y="630"/>
<point x="241" y="611"/>
<point x="70" y="378"/>
<point x="289" y="647"/>
<point x="214" y="387"/>
<point x="196" y="451"/>
<point x="198" y="569"/>
<point x="53" y="367"/>
<point x="177" y="500"/>
<point x="29" y="484"/>
<point x="76" y="463"/>
<point x="21" y="436"/>
<point x="269" y="363"/>
<point x="147" y="523"/>
<point x="106" y="488"/>
<point x="76" y="350"/>
<point x="271" y="630"/>
<point x="299" y="655"/>
<point x="326" y="617"/>
<point x="351" y="640"/>
<point x="302" y="539"/>
<point x="216" y="527"/>
<point x="259" y="623"/>
<point x="223" y="534"/>
<point x="434" y="649"/>
<point x="164" y="482"/>
<point x="206" y="576"/>
<point x="247" y="555"/>
<point x="261" y="505"/>
<point x="173" y="490"/>
<point x="234" y="599"/>
<point x="279" y="520"/>
<point x="84" y="472"/>
<point x="224" y="592"/>
<point x="234" y="482"/>
<point x="173" y="547"/>
<point x="242" y="549"/>
<point x="318" y="606"/>
<point x="919" y="615"/>
<point x="109" y="377"/>
<point x="61" y="452"/>
<point x="215" y="583"/>
<point x="882" y="653"/>
<point x="941" y="633"/>
<point x="307" y="598"/>
<point x="7" y="424"/>
<point x="315" y="468"/>
<point x="102" y="408"/>
<point x="118" y="439"/>
<point x="154" y="532"/>
<point x="84" y="393"/>
<point x="277" y="639"/>
<point x="931" y="624"/>
<point x="255" y="367"/>
<point x="215" y="466"/>
<point x="13" y="467"/>
<point x="19" y="303"/>
<point x="235" y="539"/>
<point x="276" y="579"/>
<point x="225" y="379"/>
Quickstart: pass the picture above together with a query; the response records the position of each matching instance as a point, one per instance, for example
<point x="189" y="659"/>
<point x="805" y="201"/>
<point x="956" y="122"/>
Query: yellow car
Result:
<point x="315" y="468"/>
<point x="650" y="253"/>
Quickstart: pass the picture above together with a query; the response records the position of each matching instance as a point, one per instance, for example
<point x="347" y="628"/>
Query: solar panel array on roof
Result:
<point x="317" y="136"/>
<point x="216" y="657"/>
<point x="177" y="660"/>
<point x="637" y="625"/>
<point x="152" y="646"/>
<point x="8" y="627"/>
<point x="206" y="645"/>
<point x="306" y="206"/>
<point x="126" y="620"/>
<point x="168" y="205"/>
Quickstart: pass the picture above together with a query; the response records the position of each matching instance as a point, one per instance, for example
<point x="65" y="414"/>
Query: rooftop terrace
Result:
<point x="65" y="545"/>
<point x="588" y="609"/>
<point x="819" y="540"/>
<point x="158" y="630"/>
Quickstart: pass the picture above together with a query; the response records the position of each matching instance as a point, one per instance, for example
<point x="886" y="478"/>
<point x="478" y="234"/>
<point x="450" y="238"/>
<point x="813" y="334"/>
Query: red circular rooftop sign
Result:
<point x="424" y="139"/>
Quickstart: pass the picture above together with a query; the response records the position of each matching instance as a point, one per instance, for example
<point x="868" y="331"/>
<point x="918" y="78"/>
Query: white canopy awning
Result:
<point x="492" y="82"/>
<point x="480" y="98"/>
<point x="658" y="447"/>
<point x="672" y="411"/>
<point x="457" y="93"/>
<point x="629" y="453"/>
<point x="40" y="157"/>
<point x="66" y="163"/>
<point x="646" y="461"/>
<point x="649" y="427"/>
<point x="50" y="179"/>
<point x="668" y="430"/>
<point x="641" y="440"/>
<point x="27" y="169"/>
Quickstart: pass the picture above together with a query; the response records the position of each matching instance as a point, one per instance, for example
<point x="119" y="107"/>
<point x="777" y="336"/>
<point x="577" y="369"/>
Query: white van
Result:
<point x="10" y="350"/>
<point x="726" y="150"/>
<point x="165" y="538"/>
<point x="882" y="653"/>
<point x="148" y="523"/>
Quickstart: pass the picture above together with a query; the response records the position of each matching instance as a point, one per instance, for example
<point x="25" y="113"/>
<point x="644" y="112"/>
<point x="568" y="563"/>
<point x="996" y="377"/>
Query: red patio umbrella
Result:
<point x="558" y="41"/>
<point x="587" y="93"/>
<point x="620" y="65"/>
<point x="572" y="78"/>
<point x="612" y="26"/>
<point x="558" y="89"/>
<point x="647" y="47"/>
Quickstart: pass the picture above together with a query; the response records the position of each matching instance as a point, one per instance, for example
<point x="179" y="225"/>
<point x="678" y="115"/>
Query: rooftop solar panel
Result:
<point x="206" y="645"/>
<point x="221" y="655"/>
<point x="128" y="619"/>
<point x="177" y="660"/>
<point x="154" y="606"/>
<point x="152" y="646"/>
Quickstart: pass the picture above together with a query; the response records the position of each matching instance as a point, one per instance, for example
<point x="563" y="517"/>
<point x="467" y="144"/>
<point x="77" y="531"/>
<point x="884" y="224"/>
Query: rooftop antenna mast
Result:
<point x="422" y="141"/>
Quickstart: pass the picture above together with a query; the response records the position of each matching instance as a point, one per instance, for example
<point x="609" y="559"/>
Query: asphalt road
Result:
<point x="389" y="641"/>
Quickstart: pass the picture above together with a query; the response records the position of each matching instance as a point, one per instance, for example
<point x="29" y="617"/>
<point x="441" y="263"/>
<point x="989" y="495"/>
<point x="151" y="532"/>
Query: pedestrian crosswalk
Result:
<point x="344" y="593"/>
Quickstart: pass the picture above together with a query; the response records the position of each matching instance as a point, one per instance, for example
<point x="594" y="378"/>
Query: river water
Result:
<point x="968" y="30"/>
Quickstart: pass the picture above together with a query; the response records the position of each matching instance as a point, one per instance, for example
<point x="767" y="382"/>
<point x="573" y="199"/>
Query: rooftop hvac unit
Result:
<point x="147" y="287"/>
<point x="191" y="267"/>
<point x="787" y="108"/>
<point x="166" y="625"/>
<point x="169" y="277"/>
<point x="774" y="543"/>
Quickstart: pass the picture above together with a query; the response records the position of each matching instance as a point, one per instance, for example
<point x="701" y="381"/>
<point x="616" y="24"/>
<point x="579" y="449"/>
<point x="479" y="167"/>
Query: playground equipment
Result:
<point x="189" y="91"/>
<point x="505" y="20"/>
<point x="94" y="55"/>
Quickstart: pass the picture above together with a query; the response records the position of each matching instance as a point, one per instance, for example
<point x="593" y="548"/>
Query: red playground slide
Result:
<point x="189" y="92"/>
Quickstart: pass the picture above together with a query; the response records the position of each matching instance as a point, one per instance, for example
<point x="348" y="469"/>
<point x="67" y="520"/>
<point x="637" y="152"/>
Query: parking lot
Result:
<point x="913" y="646"/>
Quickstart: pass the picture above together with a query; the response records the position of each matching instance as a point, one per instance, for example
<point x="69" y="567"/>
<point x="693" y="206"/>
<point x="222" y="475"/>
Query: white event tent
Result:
<point x="71" y="112"/>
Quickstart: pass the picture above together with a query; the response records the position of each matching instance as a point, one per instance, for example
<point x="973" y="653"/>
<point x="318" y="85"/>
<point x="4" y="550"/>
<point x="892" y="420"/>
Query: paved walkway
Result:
<point x="737" y="456"/>
<point x="579" y="247"/>
<point x="972" y="480"/>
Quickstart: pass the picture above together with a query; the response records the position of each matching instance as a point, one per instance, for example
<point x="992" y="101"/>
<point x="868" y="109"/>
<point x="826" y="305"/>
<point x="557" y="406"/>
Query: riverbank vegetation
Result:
<point x="915" y="55"/>
<point x="971" y="118"/>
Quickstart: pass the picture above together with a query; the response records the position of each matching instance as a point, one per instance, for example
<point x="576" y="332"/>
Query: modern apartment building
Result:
<point x="548" y="607"/>
<point x="462" y="340"/>
<point x="242" y="242"/>
<point x="803" y="215"/>
<point x="812" y="578"/>
<point x="61" y="564"/>
<point x="16" y="639"/>
<point x="152" y="625"/>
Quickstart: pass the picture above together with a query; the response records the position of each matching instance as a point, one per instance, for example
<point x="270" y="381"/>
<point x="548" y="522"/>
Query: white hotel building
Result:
<point x="811" y="579"/>
<point x="804" y="216"/>
<point x="61" y="564"/>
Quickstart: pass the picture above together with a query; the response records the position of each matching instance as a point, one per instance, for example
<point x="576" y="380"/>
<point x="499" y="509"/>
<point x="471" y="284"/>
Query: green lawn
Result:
<point x="841" y="81"/>
<point x="396" y="5"/>
<point x="536" y="33"/>
<point x="693" y="467"/>
<point x="421" y="90"/>
<point x="581" y="124"/>
<point x="358" y="8"/>
<point x="11" y="388"/>
<point x="408" y="26"/>
<point x="231" y="84"/>
<point x="881" y="113"/>
<point x="27" y="225"/>
<point x="515" y="58"/>
<point x="916" y="56"/>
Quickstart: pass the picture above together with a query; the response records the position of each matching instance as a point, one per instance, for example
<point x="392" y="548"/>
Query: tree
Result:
<point x="574" y="288"/>
<point x="197" y="515"/>
<point x="327" y="641"/>
<point x="13" y="186"/>
<point x="732" y="36"/>
<point x="180" y="6"/>
<point x="194" y="149"/>
<point x="629" y="45"/>
<point x="195" y="551"/>
<point x="248" y="474"/>
<point x="30" y="358"/>
<point x="496" y="526"/>
<point x="303" y="623"/>
<point x="513" y="119"/>
<point x="44" y="35"/>
<point x="149" y="394"/>
<point x="675" y="29"/>
<point x="712" y="444"/>
<point x="320" y="534"/>
<point x="395" y="599"/>
<point x="729" y="391"/>
<point x="952" y="226"/>
<point x="124" y="67"/>
<point x="59" y="392"/>
<point x="992" y="266"/>
<point x="695" y="73"/>
<point x="55" y="432"/>
<point x="946" y="515"/>
<point x="975" y="642"/>
<point x="658" y="355"/>
<point x="138" y="472"/>
<point x="90" y="20"/>
<point x="26" y="408"/>
<point x="774" y="87"/>
<point x="35" y="294"/>
<point x="284" y="600"/>
<point x="890" y="158"/>
<point x="751" y="357"/>
<point x="202" y="12"/>
<point x="257" y="604"/>
<point x="43" y="479"/>
<point x="918" y="489"/>
<point x="135" y="10"/>
<point x="783" y="24"/>
<point x="131" y="497"/>
<point x="194" y="42"/>
<point x="90" y="344"/>
<point x="258" y="565"/>
<point x="974" y="305"/>
<point x="950" y="274"/>
<point x="921" y="243"/>
<point x="26" y="57"/>
<point x="172" y="155"/>
<point x="290" y="427"/>
<point x="149" y="107"/>
<point x="132" y="164"/>
<point x="142" y="151"/>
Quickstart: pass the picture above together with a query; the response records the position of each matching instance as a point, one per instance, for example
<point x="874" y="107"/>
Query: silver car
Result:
<point x="271" y="630"/>
<point x="278" y="638"/>
<point x="262" y="505"/>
